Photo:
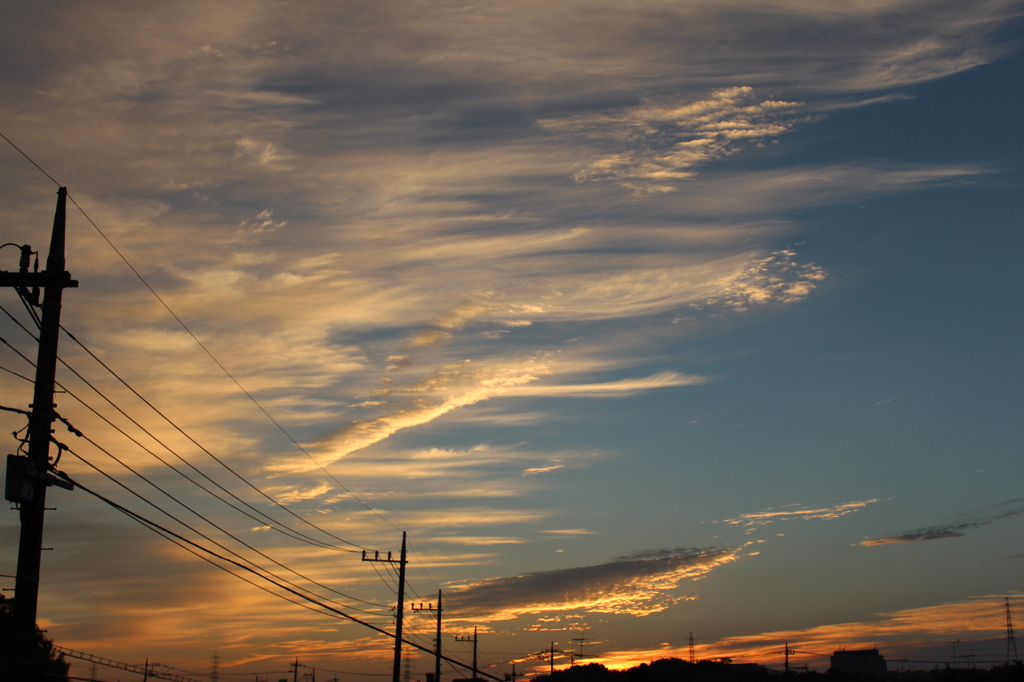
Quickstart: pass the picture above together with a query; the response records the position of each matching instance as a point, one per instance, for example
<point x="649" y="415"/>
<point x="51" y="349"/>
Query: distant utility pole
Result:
<point x="437" y="637"/>
<point x="693" y="659"/>
<point x="295" y="670"/>
<point x="28" y="475"/>
<point x="550" y="653"/>
<point x="400" y="608"/>
<point x="475" y="640"/>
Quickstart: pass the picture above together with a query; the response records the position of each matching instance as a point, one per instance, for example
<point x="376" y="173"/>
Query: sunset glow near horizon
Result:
<point x="640" y="318"/>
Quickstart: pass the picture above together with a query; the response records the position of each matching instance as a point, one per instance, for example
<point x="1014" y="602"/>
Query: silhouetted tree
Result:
<point x="49" y="666"/>
<point x="677" y="670"/>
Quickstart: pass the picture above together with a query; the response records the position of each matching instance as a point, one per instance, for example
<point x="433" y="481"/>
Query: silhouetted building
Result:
<point x="858" y="663"/>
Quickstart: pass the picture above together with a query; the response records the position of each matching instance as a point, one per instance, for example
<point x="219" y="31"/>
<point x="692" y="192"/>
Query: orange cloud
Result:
<point x="896" y="634"/>
<point x="769" y="515"/>
<point x="636" y="585"/>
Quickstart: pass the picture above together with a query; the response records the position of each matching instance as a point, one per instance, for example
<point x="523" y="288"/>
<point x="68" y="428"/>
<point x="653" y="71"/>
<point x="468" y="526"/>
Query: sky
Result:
<point x="641" y="318"/>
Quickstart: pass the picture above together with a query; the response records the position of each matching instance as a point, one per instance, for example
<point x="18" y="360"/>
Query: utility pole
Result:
<point x="295" y="670"/>
<point x="400" y="608"/>
<point x="550" y="653"/>
<point x="437" y="638"/>
<point x="693" y="659"/>
<point x="459" y="638"/>
<point x="28" y="476"/>
<point x="787" y="657"/>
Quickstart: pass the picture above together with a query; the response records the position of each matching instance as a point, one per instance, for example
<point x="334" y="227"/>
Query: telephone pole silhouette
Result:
<point x="28" y="475"/>
<point x="437" y="637"/>
<point x="400" y="608"/>
<point x="550" y="653"/>
<point x="475" y="640"/>
<point x="787" y="651"/>
<point x="693" y="659"/>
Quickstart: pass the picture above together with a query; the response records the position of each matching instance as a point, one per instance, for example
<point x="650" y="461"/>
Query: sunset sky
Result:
<point x="641" y="318"/>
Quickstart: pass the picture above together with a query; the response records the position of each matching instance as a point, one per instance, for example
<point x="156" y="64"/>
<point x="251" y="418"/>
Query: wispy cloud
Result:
<point x="636" y="585"/>
<point x="956" y="529"/>
<point x="478" y="540"/>
<point x="797" y="512"/>
<point x="463" y="384"/>
<point x="660" y="143"/>
<point x="393" y="215"/>
<point x="792" y="187"/>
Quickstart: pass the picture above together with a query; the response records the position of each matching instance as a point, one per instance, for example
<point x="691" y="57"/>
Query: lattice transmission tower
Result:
<point x="1011" y="641"/>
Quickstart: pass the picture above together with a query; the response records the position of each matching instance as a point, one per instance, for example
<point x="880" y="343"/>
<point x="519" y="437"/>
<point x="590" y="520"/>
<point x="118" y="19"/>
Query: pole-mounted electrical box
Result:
<point x="20" y="486"/>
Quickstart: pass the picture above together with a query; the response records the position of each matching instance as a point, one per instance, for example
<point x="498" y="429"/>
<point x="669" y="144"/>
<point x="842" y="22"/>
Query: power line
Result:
<point x="265" y="518"/>
<point x="157" y="527"/>
<point x="197" y="532"/>
<point x="174" y="538"/>
<point x="19" y="353"/>
<point x="7" y="139"/>
<point x="289" y="531"/>
<point x="283" y="529"/>
<point x="225" y="369"/>
<point x="200" y="343"/>
<point x="197" y="444"/>
<point x="114" y="426"/>
<point x="148" y="671"/>
<point x="20" y="376"/>
<point x="423" y="567"/>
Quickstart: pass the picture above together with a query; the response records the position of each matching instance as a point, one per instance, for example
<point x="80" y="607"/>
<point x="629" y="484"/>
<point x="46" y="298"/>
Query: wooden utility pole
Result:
<point x="28" y="475"/>
<point x="437" y="637"/>
<point x="400" y="608"/>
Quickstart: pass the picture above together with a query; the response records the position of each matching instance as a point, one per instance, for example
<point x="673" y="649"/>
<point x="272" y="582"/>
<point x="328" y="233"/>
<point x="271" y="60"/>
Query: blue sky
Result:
<point x="640" y="318"/>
